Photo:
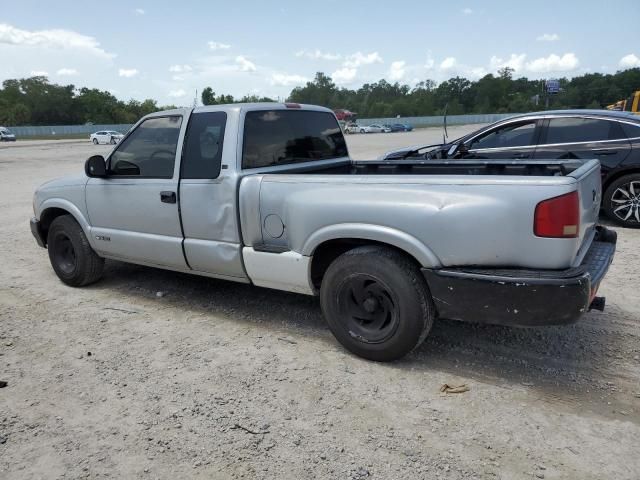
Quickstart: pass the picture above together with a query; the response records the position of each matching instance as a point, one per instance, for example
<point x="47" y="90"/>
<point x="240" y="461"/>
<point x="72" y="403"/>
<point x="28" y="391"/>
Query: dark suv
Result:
<point x="611" y="137"/>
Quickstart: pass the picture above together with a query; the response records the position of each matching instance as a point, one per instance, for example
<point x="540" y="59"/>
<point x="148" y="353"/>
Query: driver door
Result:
<point x="134" y="210"/>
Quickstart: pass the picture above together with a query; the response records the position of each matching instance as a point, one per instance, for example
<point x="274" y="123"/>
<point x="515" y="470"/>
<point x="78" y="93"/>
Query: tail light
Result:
<point x="558" y="217"/>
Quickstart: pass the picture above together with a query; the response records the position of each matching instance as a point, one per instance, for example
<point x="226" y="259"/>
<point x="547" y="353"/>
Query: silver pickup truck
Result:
<point x="267" y="194"/>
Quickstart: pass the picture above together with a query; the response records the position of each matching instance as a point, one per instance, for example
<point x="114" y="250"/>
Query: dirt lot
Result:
<point x="219" y="380"/>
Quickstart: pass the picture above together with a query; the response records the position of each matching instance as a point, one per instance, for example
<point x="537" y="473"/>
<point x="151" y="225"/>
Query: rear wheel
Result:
<point x="622" y="201"/>
<point x="377" y="303"/>
<point x="71" y="256"/>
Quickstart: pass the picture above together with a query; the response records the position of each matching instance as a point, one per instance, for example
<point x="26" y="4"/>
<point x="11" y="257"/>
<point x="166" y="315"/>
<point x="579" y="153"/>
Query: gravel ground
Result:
<point x="210" y="379"/>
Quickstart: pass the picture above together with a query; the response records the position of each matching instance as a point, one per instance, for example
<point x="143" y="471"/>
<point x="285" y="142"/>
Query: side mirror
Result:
<point x="95" y="167"/>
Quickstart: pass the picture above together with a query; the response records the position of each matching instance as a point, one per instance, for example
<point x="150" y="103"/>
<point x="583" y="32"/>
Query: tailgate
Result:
<point x="590" y="191"/>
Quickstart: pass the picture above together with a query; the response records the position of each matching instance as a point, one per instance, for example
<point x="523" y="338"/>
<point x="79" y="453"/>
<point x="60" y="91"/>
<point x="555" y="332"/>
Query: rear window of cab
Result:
<point x="280" y="137"/>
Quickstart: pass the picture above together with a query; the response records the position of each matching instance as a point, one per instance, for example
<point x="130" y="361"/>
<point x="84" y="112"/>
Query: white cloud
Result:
<point x="429" y="64"/>
<point x="57" y="39"/>
<point x="177" y="93"/>
<point x="476" y="72"/>
<point x="548" y="37"/>
<point x="344" y="75"/>
<point x="318" y="55"/>
<point x="128" y="72"/>
<point x="180" y="68"/>
<point x="515" y="61"/>
<point x="554" y="63"/>
<point x="629" y="61"/>
<point x="448" y="63"/>
<point x="358" y="59"/>
<point x="38" y="73"/>
<point x="218" y="46"/>
<point x="245" y="64"/>
<point x="67" y="71"/>
<point x="284" y="80"/>
<point x="139" y="11"/>
<point x="467" y="11"/>
<point x="397" y="70"/>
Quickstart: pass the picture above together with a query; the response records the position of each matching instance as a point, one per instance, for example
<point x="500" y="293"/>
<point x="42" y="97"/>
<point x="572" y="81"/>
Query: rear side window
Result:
<point x="203" y="145"/>
<point x="632" y="131"/>
<point x="572" y="130"/>
<point x="278" y="137"/>
<point x="149" y="151"/>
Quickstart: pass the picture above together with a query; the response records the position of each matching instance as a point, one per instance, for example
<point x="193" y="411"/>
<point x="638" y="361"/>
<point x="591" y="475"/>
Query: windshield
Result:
<point x="278" y="137"/>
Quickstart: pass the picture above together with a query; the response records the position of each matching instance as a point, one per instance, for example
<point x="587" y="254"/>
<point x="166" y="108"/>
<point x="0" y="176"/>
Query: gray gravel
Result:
<point x="153" y="374"/>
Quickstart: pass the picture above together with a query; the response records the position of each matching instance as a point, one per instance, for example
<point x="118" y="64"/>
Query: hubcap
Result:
<point x="368" y="307"/>
<point x="626" y="202"/>
<point x="65" y="254"/>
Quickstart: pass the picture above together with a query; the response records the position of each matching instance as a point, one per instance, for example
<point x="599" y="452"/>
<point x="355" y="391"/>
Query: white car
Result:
<point x="106" y="136"/>
<point x="375" y="128"/>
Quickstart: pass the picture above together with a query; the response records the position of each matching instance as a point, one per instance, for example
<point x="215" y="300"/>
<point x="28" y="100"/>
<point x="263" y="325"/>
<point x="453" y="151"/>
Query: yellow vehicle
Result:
<point x="631" y="104"/>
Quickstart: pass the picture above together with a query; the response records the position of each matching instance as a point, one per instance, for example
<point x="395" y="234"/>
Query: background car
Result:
<point x="6" y="135"/>
<point x="611" y="137"/>
<point x="399" y="127"/>
<point x="106" y="136"/>
<point x="352" y="128"/>
<point x="375" y="128"/>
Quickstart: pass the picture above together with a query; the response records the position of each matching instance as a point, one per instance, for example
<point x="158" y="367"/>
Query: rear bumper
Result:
<point x="36" y="231"/>
<point x="523" y="297"/>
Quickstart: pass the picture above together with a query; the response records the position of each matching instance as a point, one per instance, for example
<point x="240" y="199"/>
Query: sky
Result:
<point x="167" y="50"/>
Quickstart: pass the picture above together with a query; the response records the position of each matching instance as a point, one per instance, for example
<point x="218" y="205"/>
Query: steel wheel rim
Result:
<point x="368" y="307"/>
<point x="65" y="254"/>
<point x="626" y="202"/>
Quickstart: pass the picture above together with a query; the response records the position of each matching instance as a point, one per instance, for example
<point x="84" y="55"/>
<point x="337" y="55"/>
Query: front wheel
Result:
<point x="95" y="141"/>
<point x="112" y="141"/>
<point x="377" y="303"/>
<point x="621" y="201"/>
<point x="71" y="256"/>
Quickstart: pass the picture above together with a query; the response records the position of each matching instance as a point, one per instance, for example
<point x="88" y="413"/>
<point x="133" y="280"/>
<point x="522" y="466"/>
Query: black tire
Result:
<point x="621" y="201"/>
<point x="377" y="303"/>
<point x="95" y="141"/>
<point x="71" y="256"/>
<point x="362" y="131"/>
<point x="112" y="140"/>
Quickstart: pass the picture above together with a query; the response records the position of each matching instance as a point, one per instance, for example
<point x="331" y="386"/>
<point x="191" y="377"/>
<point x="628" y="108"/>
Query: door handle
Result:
<point x="605" y="152"/>
<point x="168" y="197"/>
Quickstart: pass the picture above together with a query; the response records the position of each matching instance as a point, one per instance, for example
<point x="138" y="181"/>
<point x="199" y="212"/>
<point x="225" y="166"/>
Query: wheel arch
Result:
<point x="328" y="243"/>
<point x="619" y="174"/>
<point x="56" y="207"/>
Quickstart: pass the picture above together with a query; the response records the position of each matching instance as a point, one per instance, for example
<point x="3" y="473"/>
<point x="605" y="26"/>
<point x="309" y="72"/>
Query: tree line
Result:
<point x="36" y="101"/>
<point x="501" y="93"/>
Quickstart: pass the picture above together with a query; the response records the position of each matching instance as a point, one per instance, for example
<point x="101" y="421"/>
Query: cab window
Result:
<point x="278" y="137"/>
<point x="517" y="134"/>
<point x="149" y="151"/>
<point x="203" y="145"/>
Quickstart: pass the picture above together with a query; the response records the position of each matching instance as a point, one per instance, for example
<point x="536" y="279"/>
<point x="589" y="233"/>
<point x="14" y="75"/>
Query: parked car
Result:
<point x="6" y="135"/>
<point x="266" y="194"/>
<point x="352" y="128"/>
<point x="609" y="136"/>
<point x="399" y="127"/>
<point x="375" y="128"/>
<point x="106" y="136"/>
